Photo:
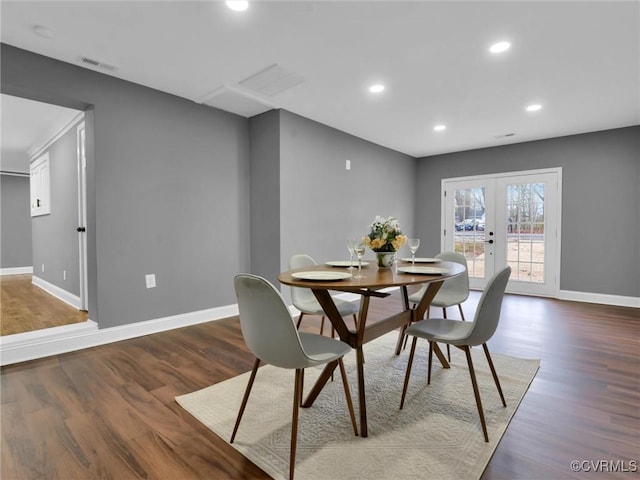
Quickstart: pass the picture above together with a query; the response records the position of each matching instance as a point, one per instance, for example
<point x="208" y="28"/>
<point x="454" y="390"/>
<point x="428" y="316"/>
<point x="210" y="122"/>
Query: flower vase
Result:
<point x="385" y="259"/>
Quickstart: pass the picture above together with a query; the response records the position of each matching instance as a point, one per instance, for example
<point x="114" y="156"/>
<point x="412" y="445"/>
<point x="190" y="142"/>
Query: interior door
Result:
<point x="508" y="219"/>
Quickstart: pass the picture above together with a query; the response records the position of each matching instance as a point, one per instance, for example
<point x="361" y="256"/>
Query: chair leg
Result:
<point x="297" y="399"/>
<point x="461" y="312"/>
<point x="347" y="394"/>
<point x="322" y="325"/>
<point x="493" y="372"/>
<point x="408" y="374"/>
<point x="245" y="398"/>
<point x="299" y="320"/>
<point x="430" y="363"/>
<point x="476" y="392"/>
<point x="444" y="313"/>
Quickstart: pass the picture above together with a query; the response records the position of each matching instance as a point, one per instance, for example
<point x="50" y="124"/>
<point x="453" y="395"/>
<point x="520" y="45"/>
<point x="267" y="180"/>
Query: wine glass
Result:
<point x="413" y="243"/>
<point x="350" y="245"/>
<point x="358" y="248"/>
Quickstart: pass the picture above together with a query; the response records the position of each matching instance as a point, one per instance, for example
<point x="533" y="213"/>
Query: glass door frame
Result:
<point x="495" y="223"/>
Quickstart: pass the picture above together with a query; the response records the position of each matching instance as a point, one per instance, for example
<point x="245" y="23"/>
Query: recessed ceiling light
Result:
<point x="534" y="108"/>
<point x="499" y="47"/>
<point x="377" y="88"/>
<point x="440" y="128"/>
<point x="237" y="5"/>
<point x="43" y="31"/>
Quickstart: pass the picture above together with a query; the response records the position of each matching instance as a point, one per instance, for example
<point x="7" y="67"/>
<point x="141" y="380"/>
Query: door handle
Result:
<point x="489" y="241"/>
<point x="81" y="229"/>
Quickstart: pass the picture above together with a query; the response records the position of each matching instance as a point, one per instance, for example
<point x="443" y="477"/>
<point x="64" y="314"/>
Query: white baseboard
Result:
<point x="61" y="294"/>
<point x="16" y="270"/>
<point x="54" y="341"/>
<point x="602" y="298"/>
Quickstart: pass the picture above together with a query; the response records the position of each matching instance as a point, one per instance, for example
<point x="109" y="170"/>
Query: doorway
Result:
<point x="506" y="219"/>
<point x="43" y="128"/>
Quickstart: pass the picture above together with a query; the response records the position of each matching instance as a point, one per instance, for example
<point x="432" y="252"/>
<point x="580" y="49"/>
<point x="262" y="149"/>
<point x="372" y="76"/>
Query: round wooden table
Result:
<point x="370" y="285"/>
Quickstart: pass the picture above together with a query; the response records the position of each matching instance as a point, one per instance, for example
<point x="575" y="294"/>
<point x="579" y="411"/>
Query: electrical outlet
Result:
<point x="151" y="280"/>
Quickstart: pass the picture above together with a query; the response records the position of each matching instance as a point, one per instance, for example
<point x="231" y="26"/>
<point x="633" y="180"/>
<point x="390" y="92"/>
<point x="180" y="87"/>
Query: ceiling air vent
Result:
<point x="506" y="135"/>
<point x="86" y="61"/>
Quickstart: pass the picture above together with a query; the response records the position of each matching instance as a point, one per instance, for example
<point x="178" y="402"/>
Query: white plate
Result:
<point x="321" y="276"/>
<point x="422" y="260"/>
<point x="423" y="270"/>
<point x="345" y="263"/>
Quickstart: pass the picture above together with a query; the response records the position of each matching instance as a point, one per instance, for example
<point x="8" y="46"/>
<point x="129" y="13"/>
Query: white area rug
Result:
<point x="436" y="436"/>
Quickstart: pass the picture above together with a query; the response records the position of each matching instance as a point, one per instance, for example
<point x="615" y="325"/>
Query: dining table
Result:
<point x="374" y="282"/>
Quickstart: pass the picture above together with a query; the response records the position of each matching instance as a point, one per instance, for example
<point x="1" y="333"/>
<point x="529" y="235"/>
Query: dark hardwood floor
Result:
<point x="26" y="308"/>
<point x="109" y="412"/>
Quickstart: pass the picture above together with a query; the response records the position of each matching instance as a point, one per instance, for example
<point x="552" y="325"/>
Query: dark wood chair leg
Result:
<point x="430" y="363"/>
<point x="297" y="398"/>
<point x="444" y="313"/>
<point x="322" y="325"/>
<point x="461" y="312"/>
<point x="245" y="398"/>
<point x="299" y="320"/>
<point x="476" y="392"/>
<point x="493" y="372"/>
<point x="408" y="374"/>
<point x="347" y="394"/>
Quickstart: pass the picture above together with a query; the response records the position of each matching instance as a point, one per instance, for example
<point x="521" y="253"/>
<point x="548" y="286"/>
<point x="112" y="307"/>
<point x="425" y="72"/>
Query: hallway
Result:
<point x="27" y="308"/>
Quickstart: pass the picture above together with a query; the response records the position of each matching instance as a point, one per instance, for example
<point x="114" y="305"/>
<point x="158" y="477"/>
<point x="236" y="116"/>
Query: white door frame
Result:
<point x="552" y="239"/>
<point x="82" y="214"/>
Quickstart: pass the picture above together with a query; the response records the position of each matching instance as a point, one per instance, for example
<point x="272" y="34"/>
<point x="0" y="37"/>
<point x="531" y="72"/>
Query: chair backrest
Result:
<point x="460" y="283"/>
<point x="267" y="326"/>
<point x="301" y="296"/>
<point x="487" y="315"/>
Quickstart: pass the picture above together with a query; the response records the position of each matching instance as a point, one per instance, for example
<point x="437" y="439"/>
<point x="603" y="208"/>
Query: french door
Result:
<point x="507" y="219"/>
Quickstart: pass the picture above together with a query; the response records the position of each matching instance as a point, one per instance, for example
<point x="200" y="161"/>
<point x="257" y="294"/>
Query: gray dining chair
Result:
<point x="454" y="291"/>
<point x="465" y="335"/>
<point x="270" y="333"/>
<point x="305" y="301"/>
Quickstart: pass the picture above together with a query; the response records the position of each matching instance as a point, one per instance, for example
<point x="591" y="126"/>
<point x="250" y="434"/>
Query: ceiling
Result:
<point x="26" y="126"/>
<point x="580" y="60"/>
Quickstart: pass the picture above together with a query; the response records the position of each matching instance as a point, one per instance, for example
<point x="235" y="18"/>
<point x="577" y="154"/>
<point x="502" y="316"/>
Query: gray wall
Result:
<point x="265" y="194"/>
<point x="168" y="190"/>
<point x="15" y="226"/>
<point x="322" y="204"/>
<point x="54" y="236"/>
<point x="600" y="204"/>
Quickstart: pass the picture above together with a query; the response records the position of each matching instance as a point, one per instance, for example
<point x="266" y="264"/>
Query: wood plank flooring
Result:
<point x="26" y="308"/>
<point x="109" y="412"/>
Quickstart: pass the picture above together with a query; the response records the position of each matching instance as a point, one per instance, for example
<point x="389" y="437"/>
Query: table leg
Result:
<point x="361" y="396"/>
<point x="320" y="383"/>
<point x="441" y="356"/>
<point x="405" y="304"/>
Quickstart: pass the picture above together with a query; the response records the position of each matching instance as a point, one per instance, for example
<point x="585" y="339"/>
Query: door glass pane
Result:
<point x="469" y="221"/>
<point x="525" y="232"/>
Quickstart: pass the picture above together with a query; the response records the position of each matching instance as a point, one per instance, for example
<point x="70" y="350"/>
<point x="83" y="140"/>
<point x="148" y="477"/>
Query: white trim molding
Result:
<point x="68" y="338"/>
<point x="16" y="270"/>
<point x="603" y="298"/>
<point x="46" y="143"/>
<point x="60" y="293"/>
